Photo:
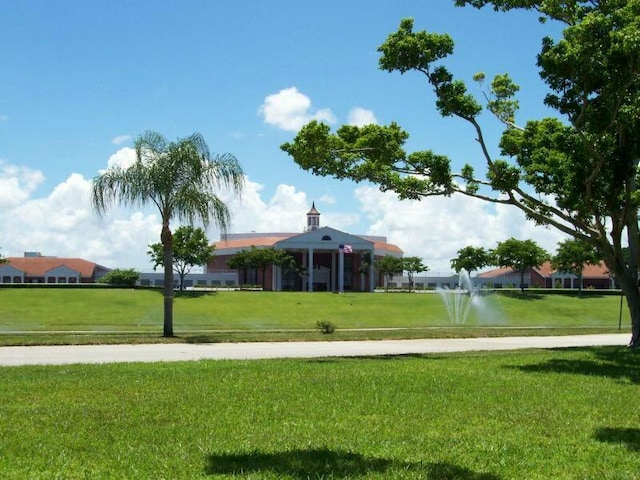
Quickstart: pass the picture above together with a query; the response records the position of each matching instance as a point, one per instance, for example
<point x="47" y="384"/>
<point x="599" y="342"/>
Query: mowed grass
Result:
<point x="121" y="309"/>
<point x="560" y="414"/>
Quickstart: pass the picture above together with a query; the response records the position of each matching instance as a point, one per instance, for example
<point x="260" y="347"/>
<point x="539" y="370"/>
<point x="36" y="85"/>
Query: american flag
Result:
<point x="346" y="249"/>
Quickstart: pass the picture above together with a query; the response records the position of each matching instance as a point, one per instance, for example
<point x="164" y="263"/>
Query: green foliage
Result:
<point x="572" y="256"/>
<point x="259" y="258"/>
<point x="413" y="265"/>
<point x="519" y="255"/>
<point x="190" y="247"/>
<point x="471" y="259"/>
<point x="325" y="327"/>
<point x="389" y="266"/>
<point x="126" y="277"/>
<point x="2" y="260"/>
<point x="180" y="178"/>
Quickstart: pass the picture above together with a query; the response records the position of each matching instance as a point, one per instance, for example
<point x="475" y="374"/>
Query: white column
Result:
<point x="340" y="271"/>
<point x="372" y="271"/>
<point x="310" y="269"/>
<point x="334" y="273"/>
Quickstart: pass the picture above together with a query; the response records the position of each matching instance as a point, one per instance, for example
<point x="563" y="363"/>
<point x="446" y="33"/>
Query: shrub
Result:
<point x="325" y="326"/>
<point x="126" y="277"/>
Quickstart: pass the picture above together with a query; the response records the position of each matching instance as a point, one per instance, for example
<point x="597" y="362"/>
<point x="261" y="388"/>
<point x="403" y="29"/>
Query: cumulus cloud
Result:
<point x="290" y="110"/>
<point x="124" y="158"/>
<point x="435" y="228"/>
<point x="17" y="183"/>
<point x="360" y="117"/>
<point x="63" y="224"/>
<point x="120" y="139"/>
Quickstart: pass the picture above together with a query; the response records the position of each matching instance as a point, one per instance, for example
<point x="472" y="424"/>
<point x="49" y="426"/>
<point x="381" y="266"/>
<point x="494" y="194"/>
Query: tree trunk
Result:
<point x="167" y="261"/>
<point x="632" y="294"/>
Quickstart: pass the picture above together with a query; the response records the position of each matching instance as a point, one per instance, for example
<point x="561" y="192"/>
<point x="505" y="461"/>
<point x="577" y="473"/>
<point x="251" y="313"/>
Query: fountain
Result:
<point x="459" y="301"/>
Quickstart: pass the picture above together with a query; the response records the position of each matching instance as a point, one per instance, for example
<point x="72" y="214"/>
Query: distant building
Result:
<point x="35" y="268"/>
<point x="331" y="260"/>
<point x="593" y="276"/>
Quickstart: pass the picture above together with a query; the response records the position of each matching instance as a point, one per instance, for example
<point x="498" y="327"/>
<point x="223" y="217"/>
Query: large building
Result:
<point x="330" y="260"/>
<point x="36" y="268"/>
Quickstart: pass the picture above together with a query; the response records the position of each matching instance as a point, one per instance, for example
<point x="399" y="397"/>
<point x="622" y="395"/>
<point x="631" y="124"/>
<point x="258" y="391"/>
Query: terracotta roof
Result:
<point x="269" y="241"/>
<point x="387" y="247"/>
<point x="39" y="266"/>
<point x="240" y="243"/>
<point x="592" y="271"/>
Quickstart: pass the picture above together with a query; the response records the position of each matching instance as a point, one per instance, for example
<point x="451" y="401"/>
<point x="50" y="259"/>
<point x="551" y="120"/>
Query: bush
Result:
<point x="325" y="326"/>
<point x="126" y="277"/>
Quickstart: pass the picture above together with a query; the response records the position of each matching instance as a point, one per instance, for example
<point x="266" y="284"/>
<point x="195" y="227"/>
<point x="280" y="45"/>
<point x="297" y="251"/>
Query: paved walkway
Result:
<point x="64" y="355"/>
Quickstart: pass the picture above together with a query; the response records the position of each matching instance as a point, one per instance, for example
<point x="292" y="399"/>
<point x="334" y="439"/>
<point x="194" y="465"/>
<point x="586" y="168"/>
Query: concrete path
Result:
<point x="64" y="355"/>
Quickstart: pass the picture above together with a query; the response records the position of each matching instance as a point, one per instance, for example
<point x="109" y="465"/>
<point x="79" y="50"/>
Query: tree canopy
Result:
<point x="520" y="255"/>
<point x="388" y="266"/>
<point x="572" y="256"/>
<point x="413" y="265"/>
<point x="471" y="259"/>
<point x="576" y="172"/>
<point x="182" y="180"/>
<point x="190" y="248"/>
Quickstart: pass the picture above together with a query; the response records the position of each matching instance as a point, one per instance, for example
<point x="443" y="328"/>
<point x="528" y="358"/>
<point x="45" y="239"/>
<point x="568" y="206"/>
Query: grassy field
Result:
<point x="564" y="414"/>
<point x="120" y="315"/>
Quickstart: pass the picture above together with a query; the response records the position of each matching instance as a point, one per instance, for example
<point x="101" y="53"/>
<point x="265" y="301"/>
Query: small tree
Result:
<point x="413" y="265"/>
<point x="241" y="262"/>
<point x="389" y="266"/>
<point x="571" y="257"/>
<point x="520" y="255"/>
<point x="190" y="247"/>
<point x="2" y="259"/>
<point x="471" y="259"/>
<point x="127" y="277"/>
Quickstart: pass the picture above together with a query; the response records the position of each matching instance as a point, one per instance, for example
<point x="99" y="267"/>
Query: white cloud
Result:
<point x="125" y="157"/>
<point x="290" y="110"/>
<point x="360" y="117"/>
<point x="437" y="227"/>
<point x="17" y="183"/>
<point x="120" y="139"/>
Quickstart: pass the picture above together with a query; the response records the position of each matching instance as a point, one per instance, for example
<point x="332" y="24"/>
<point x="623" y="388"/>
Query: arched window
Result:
<point x="326" y="238"/>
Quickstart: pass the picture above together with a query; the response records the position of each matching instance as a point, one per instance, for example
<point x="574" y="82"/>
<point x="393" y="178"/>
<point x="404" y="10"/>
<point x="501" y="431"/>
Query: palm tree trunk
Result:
<point x="167" y="261"/>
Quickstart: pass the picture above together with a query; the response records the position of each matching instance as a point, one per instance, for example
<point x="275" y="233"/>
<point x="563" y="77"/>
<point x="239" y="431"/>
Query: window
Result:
<point x="326" y="238"/>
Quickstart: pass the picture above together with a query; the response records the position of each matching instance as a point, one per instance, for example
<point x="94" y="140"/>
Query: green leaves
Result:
<point x="406" y="50"/>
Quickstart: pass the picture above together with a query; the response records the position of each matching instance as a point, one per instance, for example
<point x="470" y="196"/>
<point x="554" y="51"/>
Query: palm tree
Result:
<point x="180" y="178"/>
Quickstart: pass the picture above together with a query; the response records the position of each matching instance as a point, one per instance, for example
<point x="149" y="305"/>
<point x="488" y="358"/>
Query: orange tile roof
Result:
<point x="269" y="241"/>
<point x="546" y="270"/>
<point x="39" y="266"/>
<point x="248" y="242"/>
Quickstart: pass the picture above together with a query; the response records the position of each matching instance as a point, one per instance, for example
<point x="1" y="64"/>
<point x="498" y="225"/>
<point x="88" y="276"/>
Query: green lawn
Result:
<point x="563" y="414"/>
<point x="121" y="315"/>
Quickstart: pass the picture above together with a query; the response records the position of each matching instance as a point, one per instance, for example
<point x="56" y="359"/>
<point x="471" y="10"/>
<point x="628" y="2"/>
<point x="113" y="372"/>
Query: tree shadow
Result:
<point x="627" y="436"/>
<point x="518" y="295"/>
<point x="194" y="293"/>
<point x="609" y="362"/>
<point x="321" y="463"/>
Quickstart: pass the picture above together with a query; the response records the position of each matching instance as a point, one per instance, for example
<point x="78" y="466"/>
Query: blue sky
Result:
<point x="79" y="80"/>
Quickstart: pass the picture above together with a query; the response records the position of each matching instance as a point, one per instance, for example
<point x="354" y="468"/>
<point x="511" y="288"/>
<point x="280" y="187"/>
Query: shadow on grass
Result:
<point x="627" y="436"/>
<point x="518" y="295"/>
<point x="194" y="293"/>
<point x="609" y="362"/>
<point x="321" y="463"/>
